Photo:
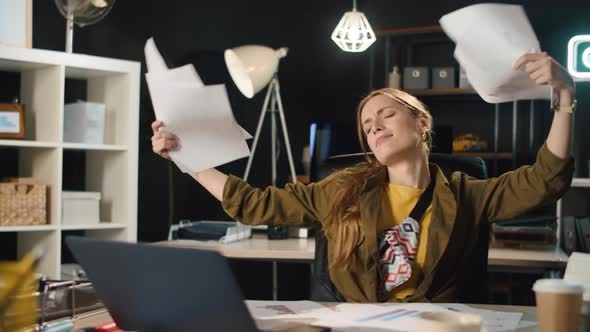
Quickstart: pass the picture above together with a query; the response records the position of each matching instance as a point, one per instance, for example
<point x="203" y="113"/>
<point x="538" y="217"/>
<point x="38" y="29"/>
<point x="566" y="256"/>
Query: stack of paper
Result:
<point x="273" y="315"/>
<point x="200" y="116"/>
<point x="489" y="39"/>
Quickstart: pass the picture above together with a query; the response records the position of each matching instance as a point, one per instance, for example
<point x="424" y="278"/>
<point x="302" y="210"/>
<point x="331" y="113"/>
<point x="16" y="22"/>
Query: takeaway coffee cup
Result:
<point x="558" y="304"/>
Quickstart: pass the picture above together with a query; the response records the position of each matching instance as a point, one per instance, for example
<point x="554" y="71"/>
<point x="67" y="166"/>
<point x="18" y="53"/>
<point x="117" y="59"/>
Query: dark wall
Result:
<point x="319" y="82"/>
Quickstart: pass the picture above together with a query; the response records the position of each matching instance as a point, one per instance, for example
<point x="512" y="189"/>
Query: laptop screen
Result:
<point x="149" y="288"/>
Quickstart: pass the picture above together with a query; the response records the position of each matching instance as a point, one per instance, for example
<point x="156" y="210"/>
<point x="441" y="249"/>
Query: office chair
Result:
<point x="473" y="289"/>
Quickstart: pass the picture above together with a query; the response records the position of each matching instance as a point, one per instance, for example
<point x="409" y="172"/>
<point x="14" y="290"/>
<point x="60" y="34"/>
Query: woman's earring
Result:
<point x="424" y="137"/>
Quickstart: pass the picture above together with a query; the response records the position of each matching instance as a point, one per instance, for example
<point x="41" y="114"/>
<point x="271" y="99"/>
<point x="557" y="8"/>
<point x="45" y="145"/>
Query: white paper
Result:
<point x="489" y="39"/>
<point x="369" y="317"/>
<point x="376" y="317"/>
<point x="282" y="315"/>
<point x="153" y="58"/>
<point x="493" y="321"/>
<point x="578" y="270"/>
<point x="281" y="309"/>
<point x="200" y="116"/>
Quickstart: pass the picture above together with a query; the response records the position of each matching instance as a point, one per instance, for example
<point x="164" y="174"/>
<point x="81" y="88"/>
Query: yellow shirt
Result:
<point x="402" y="200"/>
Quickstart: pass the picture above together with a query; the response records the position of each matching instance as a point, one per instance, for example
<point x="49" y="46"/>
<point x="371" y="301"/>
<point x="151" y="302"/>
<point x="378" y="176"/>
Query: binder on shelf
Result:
<point x="583" y="233"/>
<point x="524" y="233"/>
<point x="569" y="234"/>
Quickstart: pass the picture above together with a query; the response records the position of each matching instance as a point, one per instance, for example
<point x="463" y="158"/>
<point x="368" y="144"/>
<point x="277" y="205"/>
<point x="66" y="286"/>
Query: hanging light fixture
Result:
<point x="353" y="33"/>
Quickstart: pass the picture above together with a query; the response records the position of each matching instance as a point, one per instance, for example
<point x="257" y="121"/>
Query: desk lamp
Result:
<point x="252" y="67"/>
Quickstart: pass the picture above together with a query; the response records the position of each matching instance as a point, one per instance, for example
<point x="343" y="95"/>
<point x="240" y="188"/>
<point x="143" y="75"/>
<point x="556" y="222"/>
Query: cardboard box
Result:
<point x="84" y="123"/>
<point x="443" y="77"/>
<point x="80" y="207"/>
<point x="416" y="78"/>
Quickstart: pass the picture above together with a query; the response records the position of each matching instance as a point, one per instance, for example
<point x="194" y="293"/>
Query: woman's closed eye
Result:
<point x="389" y="115"/>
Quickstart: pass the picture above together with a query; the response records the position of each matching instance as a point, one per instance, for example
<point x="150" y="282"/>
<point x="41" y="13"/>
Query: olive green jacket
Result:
<point x="459" y="205"/>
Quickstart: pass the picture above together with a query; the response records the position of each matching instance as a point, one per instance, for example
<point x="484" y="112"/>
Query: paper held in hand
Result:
<point x="199" y="115"/>
<point x="489" y="39"/>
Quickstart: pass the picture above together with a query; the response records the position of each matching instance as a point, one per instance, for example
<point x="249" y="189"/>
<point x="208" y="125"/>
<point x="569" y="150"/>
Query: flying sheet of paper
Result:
<point x="489" y="39"/>
<point x="200" y="116"/>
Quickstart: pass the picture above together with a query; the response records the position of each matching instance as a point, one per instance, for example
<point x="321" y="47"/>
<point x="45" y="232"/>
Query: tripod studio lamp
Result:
<point x="252" y="67"/>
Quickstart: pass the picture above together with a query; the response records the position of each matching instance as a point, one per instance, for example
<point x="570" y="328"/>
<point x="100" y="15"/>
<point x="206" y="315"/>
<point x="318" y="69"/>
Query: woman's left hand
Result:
<point x="544" y="70"/>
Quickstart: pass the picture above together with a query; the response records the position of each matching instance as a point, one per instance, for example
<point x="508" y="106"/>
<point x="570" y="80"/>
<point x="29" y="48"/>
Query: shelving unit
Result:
<point x="435" y="35"/>
<point x="487" y="155"/>
<point x="111" y="168"/>
<point x="30" y="144"/>
<point x="94" y="147"/>
<point x="581" y="182"/>
<point x="442" y="92"/>
<point x="575" y="202"/>
<point x="102" y="225"/>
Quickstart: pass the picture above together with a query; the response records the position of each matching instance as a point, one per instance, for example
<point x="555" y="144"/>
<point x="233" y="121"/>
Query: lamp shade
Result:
<point x="251" y="67"/>
<point x="353" y="33"/>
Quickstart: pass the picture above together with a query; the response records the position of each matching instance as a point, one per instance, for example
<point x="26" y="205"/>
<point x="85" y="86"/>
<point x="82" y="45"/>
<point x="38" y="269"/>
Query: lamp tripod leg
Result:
<point x="285" y="132"/>
<point x="258" y="129"/>
<point x="273" y="137"/>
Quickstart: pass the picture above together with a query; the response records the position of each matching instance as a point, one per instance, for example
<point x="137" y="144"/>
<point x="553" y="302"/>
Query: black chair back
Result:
<point x="472" y="290"/>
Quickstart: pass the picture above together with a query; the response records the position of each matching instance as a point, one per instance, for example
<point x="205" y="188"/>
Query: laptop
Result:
<point x="151" y="288"/>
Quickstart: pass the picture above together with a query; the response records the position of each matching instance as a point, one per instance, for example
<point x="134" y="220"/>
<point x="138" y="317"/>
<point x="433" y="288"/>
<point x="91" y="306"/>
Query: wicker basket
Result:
<point x="23" y="202"/>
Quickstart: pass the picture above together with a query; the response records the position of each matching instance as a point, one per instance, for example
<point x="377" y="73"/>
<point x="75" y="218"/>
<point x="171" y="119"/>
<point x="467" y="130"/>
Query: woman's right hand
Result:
<point x="163" y="141"/>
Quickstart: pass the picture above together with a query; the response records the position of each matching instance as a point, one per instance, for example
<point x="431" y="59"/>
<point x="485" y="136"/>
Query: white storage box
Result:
<point x="80" y="208"/>
<point x="84" y="123"/>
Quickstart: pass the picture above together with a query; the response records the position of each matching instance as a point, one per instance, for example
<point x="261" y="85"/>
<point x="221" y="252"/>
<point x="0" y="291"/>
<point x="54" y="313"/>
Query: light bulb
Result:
<point x="353" y="33"/>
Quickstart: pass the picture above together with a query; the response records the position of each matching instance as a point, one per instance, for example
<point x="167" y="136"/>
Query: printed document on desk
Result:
<point x="281" y="315"/>
<point x="376" y="317"/>
<point x="492" y="321"/>
<point x="282" y="309"/>
<point x="200" y="116"/>
<point x="489" y="39"/>
<point x="371" y="316"/>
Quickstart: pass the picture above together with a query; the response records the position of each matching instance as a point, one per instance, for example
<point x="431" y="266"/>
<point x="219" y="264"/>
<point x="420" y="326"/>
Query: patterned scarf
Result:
<point x="399" y="244"/>
<point x="398" y="248"/>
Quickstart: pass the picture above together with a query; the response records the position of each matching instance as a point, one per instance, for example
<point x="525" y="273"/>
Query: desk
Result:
<point x="552" y="260"/>
<point x="259" y="247"/>
<point x="527" y="323"/>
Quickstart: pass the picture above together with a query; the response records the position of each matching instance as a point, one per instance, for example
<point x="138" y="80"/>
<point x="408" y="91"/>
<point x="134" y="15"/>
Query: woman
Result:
<point x="397" y="229"/>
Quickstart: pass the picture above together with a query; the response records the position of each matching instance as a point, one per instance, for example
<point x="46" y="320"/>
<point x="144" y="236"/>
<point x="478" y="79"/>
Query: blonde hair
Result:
<point x="344" y="218"/>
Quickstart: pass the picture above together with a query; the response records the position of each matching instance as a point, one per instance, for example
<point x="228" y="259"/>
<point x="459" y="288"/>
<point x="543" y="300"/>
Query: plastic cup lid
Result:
<point x="558" y="286"/>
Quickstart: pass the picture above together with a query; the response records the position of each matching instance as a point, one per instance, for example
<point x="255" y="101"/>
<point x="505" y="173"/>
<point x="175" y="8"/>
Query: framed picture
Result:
<point x="12" y="121"/>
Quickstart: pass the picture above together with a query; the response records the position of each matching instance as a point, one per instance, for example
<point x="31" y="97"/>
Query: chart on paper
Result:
<point x="390" y="315"/>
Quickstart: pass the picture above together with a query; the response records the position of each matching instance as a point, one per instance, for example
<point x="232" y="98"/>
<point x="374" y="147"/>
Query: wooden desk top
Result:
<point x="257" y="247"/>
<point x="260" y="247"/>
<point x="527" y="323"/>
<point x="553" y="258"/>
